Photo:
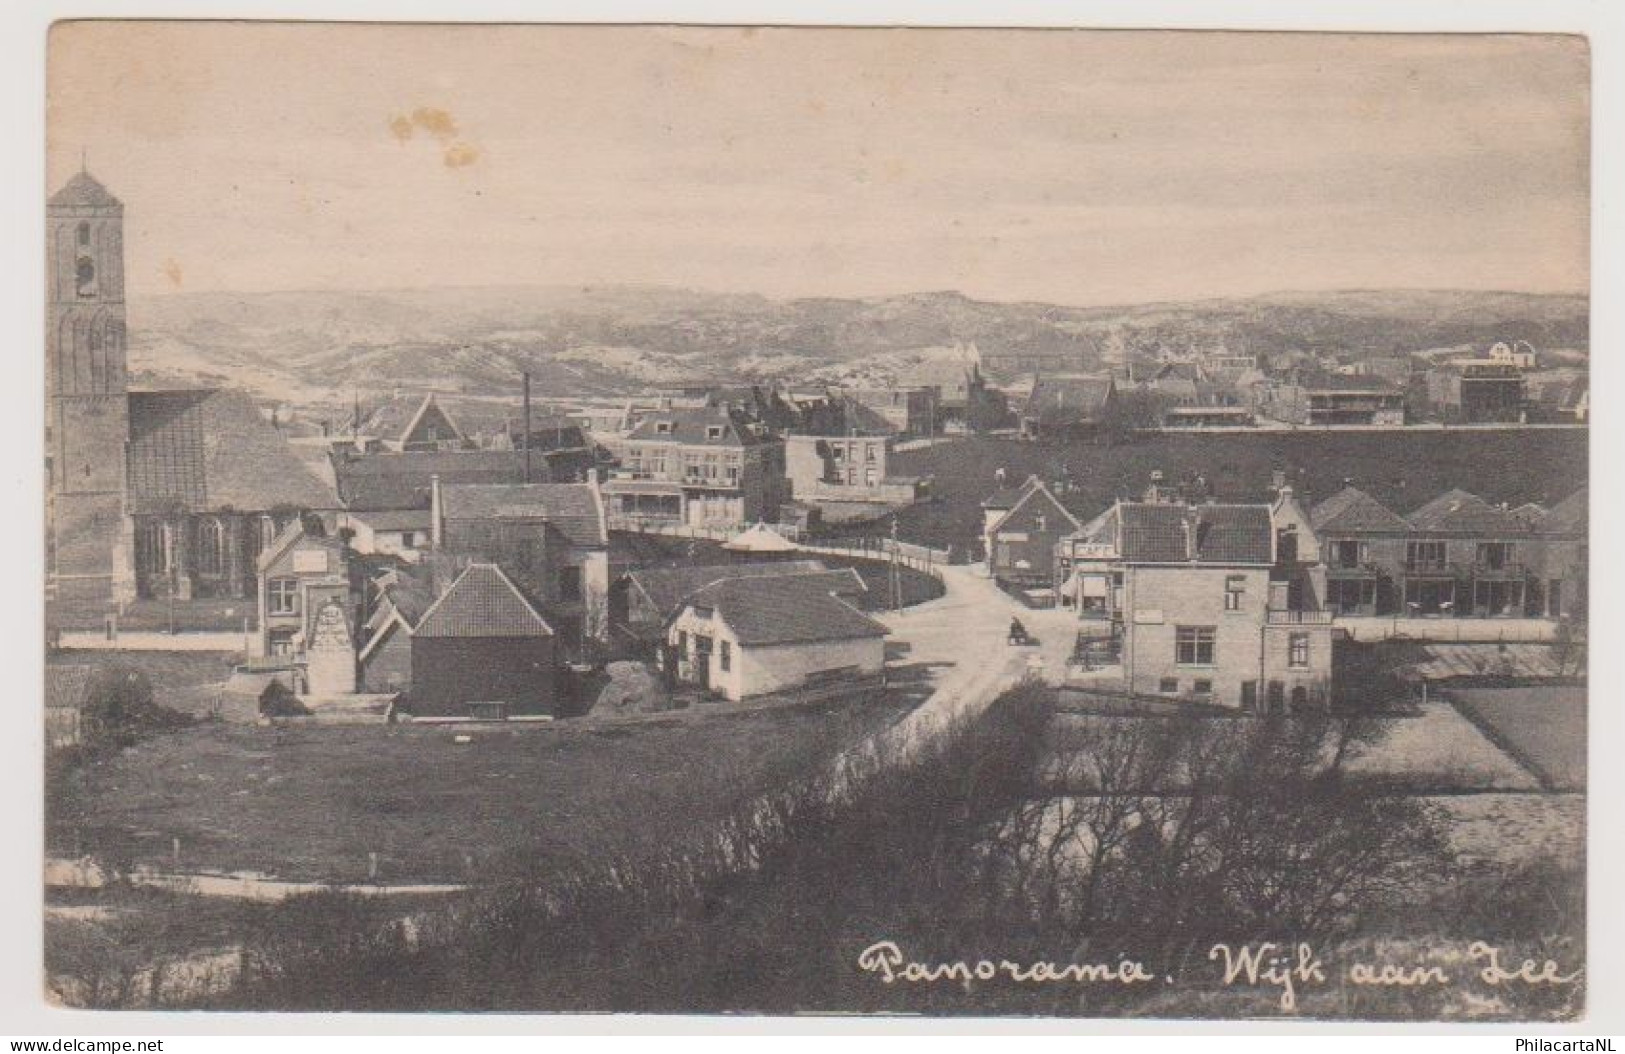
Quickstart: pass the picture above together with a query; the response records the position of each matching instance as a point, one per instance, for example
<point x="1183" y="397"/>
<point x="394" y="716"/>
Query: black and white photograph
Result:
<point x="786" y="520"/>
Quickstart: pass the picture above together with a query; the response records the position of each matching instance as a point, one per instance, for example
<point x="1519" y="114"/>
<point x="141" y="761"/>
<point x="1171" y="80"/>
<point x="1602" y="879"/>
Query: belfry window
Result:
<point x="84" y="274"/>
<point x="84" y="236"/>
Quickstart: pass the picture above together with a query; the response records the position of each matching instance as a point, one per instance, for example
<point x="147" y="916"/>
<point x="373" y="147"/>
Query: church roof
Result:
<point x="83" y="191"/>
<point x="211" y="449"/>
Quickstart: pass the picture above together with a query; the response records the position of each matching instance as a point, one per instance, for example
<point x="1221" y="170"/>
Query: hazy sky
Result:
<point x="1067" y="166"/>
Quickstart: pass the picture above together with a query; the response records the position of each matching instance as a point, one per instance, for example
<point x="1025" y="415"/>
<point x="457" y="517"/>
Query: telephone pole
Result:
<point x="896" y="576"/>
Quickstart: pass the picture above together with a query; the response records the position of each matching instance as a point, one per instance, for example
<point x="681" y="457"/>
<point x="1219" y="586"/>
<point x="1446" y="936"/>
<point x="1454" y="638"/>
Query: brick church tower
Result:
<point x="87" y="401"/>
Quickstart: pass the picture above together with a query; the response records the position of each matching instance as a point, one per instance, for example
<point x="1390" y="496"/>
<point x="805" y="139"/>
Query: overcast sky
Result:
<point x="1074" y="167"/>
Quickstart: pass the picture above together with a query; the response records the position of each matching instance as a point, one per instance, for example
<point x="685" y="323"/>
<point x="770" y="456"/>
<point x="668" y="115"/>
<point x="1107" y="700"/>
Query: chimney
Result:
<point x="436" y="525"/>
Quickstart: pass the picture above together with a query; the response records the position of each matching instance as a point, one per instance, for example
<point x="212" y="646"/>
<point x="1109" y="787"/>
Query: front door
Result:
<point x="1249" y="696"/>
<point x="702" y="661"/>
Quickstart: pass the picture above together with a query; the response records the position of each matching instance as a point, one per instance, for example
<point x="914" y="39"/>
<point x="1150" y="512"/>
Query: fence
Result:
<point x="1465" y="630"/>
<point x="921" y="558"/>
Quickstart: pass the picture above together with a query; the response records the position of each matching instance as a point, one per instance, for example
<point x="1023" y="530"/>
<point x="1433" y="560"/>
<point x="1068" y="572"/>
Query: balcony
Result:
<point x="1355" y="570"/>
<point x="1498" y="571"/>
<point x="1317" y="617"/>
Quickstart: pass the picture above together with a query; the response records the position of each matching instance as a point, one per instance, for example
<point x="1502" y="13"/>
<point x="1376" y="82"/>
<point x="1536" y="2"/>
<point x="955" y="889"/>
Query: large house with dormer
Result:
<point x="704" y="467"/>
<point x="1201" y="603"/>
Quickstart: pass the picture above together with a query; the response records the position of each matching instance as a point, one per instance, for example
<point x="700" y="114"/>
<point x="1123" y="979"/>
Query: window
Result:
<point x="869" y="479"/>
<point x="569" y="583"/>
<point x="151" y="549"/>
<point x="211" y="546"/>
<point x="869" y="453"/>
<point x="1168" y="686"/>
<point x="1496" y="556"/>
<point x="713" y="431"/>
<point x="1297" y="650"/>
<point x="282" y="596"/>
<point x="1346" y="554"/>
<point x="84" y="235"/>
<point x="1424" y="556"/>
<point x="1202" y="686"/>
<point x="682" y="642"/>
<point x="1193" y="645"/>
<point x="663" y="428"/>
<point x="281" y="642"/>
<point x="725" y="656"/>
<point x="1234" y="587"/>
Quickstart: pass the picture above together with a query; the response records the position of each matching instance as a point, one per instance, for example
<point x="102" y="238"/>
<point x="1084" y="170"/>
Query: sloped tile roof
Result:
<point x="1241" y="534"/>
<point x="1003" y="498"/>
<point x="208" y="449"/>
<point x="666" y="587"/>
<point x="482" y="603"/>
<point x="395" y="519"/>
<point x="692" y="428"/>
<point x="1458" y="512"/>
<point x="797" y="609"/>
<point x="1064" y="399"/>
<point x="369" y="482"/>
<point x="1353" y="511"/>
<point x="1223" y="534"/>
<point x="570" y="508"/>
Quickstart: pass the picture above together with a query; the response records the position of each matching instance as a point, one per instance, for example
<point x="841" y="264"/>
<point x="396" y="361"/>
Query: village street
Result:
<point x="961" y="641"/>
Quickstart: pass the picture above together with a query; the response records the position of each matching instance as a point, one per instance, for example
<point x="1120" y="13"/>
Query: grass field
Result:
<point x="1403" y="469"/>
<point x="1543" y="726"/>
<point x="312" y="802"/>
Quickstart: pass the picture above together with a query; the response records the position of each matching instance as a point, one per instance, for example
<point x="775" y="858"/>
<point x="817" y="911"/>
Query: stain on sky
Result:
<point x="439" y="126"/>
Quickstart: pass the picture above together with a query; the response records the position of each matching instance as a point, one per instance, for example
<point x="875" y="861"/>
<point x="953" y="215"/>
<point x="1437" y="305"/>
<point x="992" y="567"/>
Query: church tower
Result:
<point x="87" y="405"/>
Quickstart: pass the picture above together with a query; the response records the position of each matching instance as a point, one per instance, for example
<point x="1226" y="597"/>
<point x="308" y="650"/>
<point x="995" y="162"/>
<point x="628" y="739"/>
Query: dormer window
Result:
<point x="713" y="431"/>
<point x="663" y="428"/>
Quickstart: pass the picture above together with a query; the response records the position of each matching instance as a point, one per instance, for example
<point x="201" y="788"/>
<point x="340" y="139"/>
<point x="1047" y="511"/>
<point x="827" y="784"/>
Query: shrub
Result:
<point x="278" y="700"/>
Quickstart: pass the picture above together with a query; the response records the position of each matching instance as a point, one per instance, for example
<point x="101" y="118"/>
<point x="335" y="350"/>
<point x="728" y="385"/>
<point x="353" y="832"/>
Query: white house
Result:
<point x="739" y="638"/>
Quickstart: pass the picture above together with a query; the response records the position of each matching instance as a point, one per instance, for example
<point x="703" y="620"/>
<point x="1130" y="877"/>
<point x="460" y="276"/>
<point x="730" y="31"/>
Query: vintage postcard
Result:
<point x="671" y="519"/>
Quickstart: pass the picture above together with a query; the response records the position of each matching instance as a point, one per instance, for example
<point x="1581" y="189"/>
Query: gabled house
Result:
<point x="1465" y="556"/>
<point x="1561" y="576"/>
<point x="405" y="423"/>
<point x="1068" y="406"/>
<point x="1021" y="542"/>
<point x="740" y="637"/>
<point x="1363" y="547"/>
<point x="307" y="611"/>
<point x="647" y="598"/>
<point x="482" y="651"/>
<point x="552" y="539"/>
<point x="402" y="598"/>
